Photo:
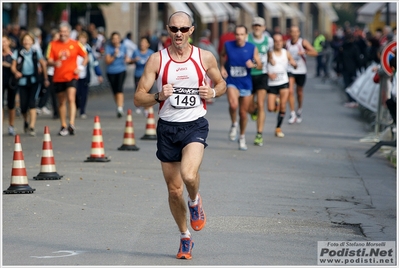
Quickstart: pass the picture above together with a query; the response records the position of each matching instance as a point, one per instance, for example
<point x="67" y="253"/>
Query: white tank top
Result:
<point x="279" y="68"/>
<point x="300" y="59"/>
<point x="185" y="104"/>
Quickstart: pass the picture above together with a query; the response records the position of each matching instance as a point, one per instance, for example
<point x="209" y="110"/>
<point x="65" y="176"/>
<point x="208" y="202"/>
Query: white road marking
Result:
<point x="70" y="253"/>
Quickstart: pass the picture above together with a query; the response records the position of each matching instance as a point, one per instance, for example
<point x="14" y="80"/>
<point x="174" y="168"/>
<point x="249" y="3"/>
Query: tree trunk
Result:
<point x="32" y="17"/>
<point x="14" y="13"/>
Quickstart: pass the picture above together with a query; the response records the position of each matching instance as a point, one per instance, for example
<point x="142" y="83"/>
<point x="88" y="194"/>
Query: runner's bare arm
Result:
<point x="310" y="50"/>
<point x="213" y="72"/>
<point x="223" y="59"/>
<point x="257" y="59"/>
<point x="291" y="60"/>
<point x="142" y="97"/>
<point x="14" y="70"/>
<point x="270" y="57"/>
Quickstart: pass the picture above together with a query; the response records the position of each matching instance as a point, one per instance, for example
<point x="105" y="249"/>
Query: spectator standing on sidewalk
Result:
<point x="299" y="48"/>
<point x="319" y="44"/>
<point x="82" y="90"/>
<point x="116" y="58"/>
<point x="182" y="129"/>
<point x="7" y="75"/>
<point x="349" y="57"/>
<point x="63" y="54"/>
<point x="392" y="100"/>
<point x="27" y="66"/>
<point x="238" y="57"/>
<point x="278" y="84"/>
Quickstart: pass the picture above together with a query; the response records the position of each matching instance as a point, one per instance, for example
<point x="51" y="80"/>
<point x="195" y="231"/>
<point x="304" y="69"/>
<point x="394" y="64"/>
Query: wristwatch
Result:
<point x="156" y="97"/>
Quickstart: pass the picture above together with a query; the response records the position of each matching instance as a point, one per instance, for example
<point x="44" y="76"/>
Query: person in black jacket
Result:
<point x="349" y="57"/>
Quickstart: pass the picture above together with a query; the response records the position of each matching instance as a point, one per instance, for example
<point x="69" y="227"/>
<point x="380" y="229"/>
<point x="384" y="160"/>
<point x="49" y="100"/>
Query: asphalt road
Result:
<point x="266" y="206"/>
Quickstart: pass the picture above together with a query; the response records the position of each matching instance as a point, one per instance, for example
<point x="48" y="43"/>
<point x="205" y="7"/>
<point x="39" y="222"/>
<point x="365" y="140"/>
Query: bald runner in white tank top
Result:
<point x="185" y="104"/>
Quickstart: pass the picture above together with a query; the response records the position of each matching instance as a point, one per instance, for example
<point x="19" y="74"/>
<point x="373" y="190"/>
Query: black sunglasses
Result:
<point x="174" y="29"/>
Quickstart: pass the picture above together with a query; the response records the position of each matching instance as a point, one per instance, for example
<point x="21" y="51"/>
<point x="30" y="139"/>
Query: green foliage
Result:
<point x="347" y="13"/>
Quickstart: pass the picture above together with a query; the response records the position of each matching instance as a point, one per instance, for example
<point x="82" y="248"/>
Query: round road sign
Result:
<point x="387" y="54"/>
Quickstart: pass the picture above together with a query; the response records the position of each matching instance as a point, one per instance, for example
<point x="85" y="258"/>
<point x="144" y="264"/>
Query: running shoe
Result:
<point x="197" y="215"/>
<point x="43" y="110"/>
<point x="258" y="140"/>
<point x="71" y="129"/>
<point x="254" y="115"/>
<point x="63" y="131"/>
<point x="292" y="119"/>
<point x="298" y="118"/>
<point x="186" y="246"/>
<point x="26" y="127"/>
<point x="119" y="112"/>
<point x="11" y="131"/>
<point x="233" y="133"/>
<point x="32" y="132"/>
<point x="83" y="116"/>
<point x="279" y="133"/>
<point x="242" y="144"/>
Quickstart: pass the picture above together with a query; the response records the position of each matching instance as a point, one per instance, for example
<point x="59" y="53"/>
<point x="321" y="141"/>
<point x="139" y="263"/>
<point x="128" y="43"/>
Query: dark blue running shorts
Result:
<point x="172" y="137"/>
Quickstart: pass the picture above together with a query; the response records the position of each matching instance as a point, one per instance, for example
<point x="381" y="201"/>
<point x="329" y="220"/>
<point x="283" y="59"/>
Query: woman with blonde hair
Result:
<point x="25" y="67"/>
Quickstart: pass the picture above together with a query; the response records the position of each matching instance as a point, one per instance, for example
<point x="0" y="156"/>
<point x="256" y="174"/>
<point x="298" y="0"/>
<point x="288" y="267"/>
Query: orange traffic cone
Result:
<point x="19" y="179"/>
<point x="129" y="143"/>
<point x="97" y="145"/>
<point x="150" y="131"/>
<point x="47" y="168"/>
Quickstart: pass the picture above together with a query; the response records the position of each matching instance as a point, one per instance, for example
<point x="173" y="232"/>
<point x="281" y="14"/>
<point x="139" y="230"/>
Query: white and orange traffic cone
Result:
<point x="47" y="166"/>
<point x="97" y="146"/>
<point x="129" y="143"/>
<point x="150" y="131"/>
<point x="19" y="179"/>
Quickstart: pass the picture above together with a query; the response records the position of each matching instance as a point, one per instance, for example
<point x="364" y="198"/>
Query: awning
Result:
<point x="203" y="11"/>
<point x="248" y="8"/>
<point x="288" y="11"/>
<point x="273" y="8"/>
<point x="367" y="12"/>
<point x="180" y="6"/>
<point x="219" y="11"/>
<point x="299" y="14"/>
<point x="329" y="10"/>
<point x="231" y="11"/>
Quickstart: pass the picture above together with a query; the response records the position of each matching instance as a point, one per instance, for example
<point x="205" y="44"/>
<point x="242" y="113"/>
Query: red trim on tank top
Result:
<point x="189" y="57"/>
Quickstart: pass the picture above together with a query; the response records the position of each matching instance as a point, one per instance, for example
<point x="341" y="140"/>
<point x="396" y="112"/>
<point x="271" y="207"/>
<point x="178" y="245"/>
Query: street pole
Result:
<point x="387" y="18"/>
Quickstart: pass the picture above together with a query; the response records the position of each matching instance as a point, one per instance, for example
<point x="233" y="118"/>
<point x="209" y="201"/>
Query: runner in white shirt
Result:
<point x="278" y="82"/>
<point x="299" y="49"/>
